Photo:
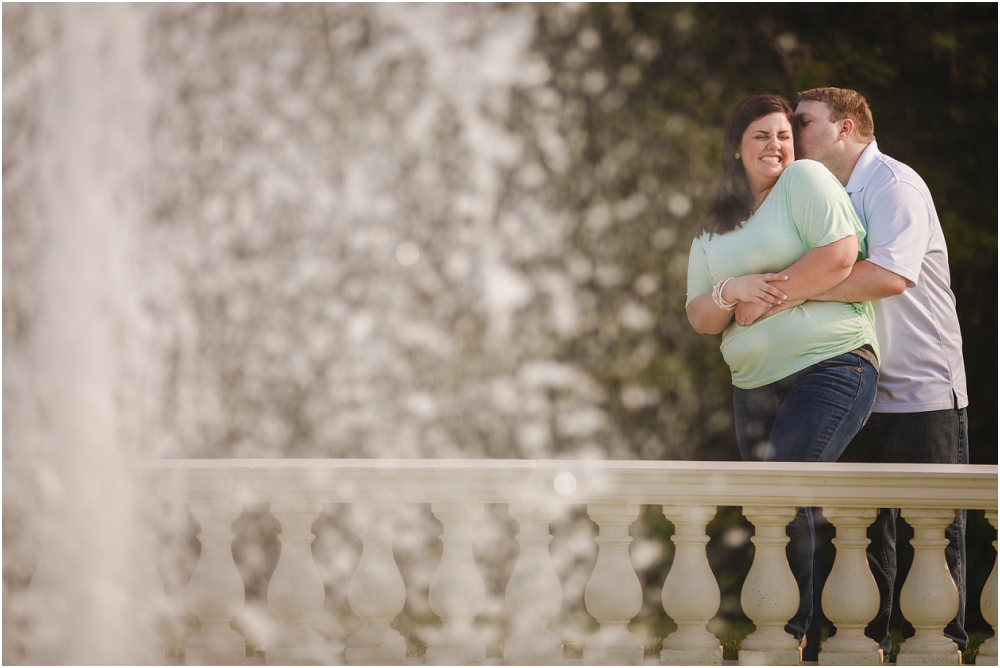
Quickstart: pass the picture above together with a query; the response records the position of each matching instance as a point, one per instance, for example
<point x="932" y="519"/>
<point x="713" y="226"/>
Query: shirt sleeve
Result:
<point x="899" y="228"/>
<point x="821" y="208"/>
<point x="699" y="275"/>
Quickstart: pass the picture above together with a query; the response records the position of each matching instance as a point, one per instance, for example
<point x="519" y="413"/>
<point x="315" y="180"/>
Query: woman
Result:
<point x="805" y="372"/>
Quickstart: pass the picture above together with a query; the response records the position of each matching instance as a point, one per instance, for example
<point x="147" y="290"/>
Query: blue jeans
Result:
<point x="809" y="416"/>
<point x="940" y="437"/>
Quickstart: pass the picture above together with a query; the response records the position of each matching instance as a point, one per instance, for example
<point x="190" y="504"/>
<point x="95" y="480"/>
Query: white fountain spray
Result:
<point x="73" y="463"/>
<point x="240" y="179"/>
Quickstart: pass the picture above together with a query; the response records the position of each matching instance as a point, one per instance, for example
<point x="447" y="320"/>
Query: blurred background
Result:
<point x="432" y="230"/>
<point x="463" y="231"/>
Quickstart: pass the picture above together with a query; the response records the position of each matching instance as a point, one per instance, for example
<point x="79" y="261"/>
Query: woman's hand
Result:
<point x="755" y="289"/>
<point x="747" y="312"/>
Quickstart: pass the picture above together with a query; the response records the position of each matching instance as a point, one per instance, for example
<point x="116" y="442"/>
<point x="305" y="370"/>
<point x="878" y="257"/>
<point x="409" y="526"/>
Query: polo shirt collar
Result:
<point x="862" y="170"/>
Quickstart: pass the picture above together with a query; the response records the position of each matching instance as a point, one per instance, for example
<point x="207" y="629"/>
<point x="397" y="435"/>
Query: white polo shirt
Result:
<point x="922" y="367"/>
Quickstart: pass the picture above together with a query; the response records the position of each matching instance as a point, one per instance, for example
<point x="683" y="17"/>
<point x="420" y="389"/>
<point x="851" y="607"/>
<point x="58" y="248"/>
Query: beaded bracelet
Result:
<point x="717" y="296"/>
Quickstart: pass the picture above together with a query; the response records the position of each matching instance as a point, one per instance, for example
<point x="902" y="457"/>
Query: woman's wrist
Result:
<point x="719" y="300"/>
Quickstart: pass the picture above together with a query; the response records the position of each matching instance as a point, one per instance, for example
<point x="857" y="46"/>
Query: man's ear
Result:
<point x="846" y="129"/>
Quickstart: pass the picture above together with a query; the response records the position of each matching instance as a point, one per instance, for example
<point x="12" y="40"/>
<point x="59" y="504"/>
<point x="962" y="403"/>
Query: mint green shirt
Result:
<point x="807" y="208"/>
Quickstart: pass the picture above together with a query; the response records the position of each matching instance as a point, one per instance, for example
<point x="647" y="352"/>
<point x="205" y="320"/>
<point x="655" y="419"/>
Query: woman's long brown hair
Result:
<point x="733" y="199"/>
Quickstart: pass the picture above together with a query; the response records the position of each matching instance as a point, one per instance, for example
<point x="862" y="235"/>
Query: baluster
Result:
<point x="457" y="593"/>
<point x="155" y="593"/>
<point x="929" y="599"/>
<point x="376" y="593"/>
<point x="614" y="594"/>
<point x="215" y="593"/>
<point x="690" y="592"/>
<point x="988" y="650"/>
<point x="770" y="595"/>
<point x="850" y="597"/>
<point x="295" y="594"/>
<point x="534" y="594"/>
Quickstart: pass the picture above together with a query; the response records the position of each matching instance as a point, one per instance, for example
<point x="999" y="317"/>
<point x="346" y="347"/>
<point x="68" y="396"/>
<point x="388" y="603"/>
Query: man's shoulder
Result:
<point x="889" y="172"/>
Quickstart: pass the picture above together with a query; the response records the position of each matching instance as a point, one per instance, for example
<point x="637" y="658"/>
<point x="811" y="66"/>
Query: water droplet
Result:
<point x="564" y="483"/>
<point x="679" y="205"/>
<point x="407" y="253"/>
<point x="786" y="42"/>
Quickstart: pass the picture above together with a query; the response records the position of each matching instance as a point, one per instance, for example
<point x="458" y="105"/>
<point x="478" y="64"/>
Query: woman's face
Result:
<point x="766" y="150"/>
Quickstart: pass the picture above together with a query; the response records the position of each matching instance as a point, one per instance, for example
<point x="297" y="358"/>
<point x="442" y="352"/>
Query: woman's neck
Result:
<point x="759" y="188"/>
<point x="759" y="198"/>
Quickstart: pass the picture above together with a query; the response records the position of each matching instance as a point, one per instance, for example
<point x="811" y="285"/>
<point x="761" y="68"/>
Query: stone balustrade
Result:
<point x="536" y="492"/>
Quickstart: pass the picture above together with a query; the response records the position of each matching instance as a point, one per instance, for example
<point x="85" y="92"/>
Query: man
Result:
<point x="920" y="409"/>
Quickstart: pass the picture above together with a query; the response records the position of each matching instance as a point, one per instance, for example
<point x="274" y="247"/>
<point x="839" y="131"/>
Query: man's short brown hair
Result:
<point x="845" y="103"/>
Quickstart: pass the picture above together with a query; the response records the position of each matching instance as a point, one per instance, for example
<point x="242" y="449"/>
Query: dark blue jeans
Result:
<point x="938" y="437"/>
<point x="809" y="416"/>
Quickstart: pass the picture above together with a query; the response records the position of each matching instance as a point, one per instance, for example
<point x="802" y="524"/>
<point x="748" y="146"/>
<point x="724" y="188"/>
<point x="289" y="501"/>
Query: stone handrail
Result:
<point x="612" y="492"/>
<point x="638" y="482"/>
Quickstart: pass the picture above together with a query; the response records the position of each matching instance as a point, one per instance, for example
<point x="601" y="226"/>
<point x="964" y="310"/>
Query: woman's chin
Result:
<point x="768" y="175"/>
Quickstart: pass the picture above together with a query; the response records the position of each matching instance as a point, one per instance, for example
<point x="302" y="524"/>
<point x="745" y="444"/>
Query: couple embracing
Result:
<point x="828" y="279"/>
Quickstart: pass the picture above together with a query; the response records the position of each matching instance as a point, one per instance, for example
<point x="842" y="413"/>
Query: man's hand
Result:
<point x="783" y="307"/>
<point x="748" y="312"/>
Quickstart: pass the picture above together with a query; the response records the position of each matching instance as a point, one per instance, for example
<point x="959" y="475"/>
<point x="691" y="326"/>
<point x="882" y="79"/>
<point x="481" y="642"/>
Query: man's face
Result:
<point x="817" y="134"/>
